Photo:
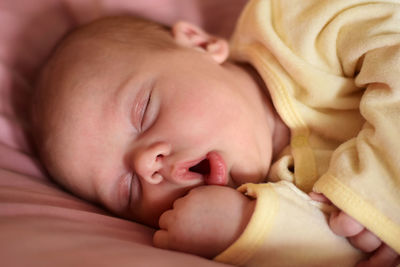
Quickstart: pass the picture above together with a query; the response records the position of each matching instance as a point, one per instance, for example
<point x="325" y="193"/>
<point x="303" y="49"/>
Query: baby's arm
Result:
<point x="205" y="222"/>
<point x="285" y="227"/>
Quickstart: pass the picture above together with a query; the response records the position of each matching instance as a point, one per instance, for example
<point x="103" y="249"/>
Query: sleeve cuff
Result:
<point x="258" y="228"/>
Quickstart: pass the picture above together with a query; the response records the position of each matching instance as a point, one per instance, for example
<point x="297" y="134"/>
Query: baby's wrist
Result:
<point x="247" y="213"/>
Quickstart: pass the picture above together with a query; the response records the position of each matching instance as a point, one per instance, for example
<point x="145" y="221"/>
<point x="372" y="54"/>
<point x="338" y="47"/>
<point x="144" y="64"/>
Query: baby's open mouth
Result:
<point x="203" y="167"/>
<point x="212" y="168"/>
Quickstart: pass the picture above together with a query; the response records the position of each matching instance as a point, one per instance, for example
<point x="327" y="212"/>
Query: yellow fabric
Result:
<point x="332" y="68"/>
<point x="273" y="239"/>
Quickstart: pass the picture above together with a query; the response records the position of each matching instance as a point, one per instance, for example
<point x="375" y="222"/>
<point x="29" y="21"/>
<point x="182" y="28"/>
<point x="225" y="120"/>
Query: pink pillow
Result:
<point x="40" y="224"/>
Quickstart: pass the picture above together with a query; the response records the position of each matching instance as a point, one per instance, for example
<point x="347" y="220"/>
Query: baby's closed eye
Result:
<point x="128" y="191"/>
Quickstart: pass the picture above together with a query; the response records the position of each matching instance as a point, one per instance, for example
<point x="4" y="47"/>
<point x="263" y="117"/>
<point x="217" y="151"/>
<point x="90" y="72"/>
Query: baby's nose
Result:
<point x="149" y="159"/>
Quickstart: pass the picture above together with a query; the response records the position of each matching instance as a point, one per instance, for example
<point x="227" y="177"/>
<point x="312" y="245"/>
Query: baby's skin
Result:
<point x="132" y="122"/>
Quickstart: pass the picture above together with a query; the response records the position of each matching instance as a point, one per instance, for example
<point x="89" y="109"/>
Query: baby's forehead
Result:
<point x="90" y="52"/>
<point x="104" y="42"/>
<point x="128" y="31"/>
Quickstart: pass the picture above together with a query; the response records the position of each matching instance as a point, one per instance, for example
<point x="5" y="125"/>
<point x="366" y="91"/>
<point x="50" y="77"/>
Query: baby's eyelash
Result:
<point x="124" y="190"/>
<point x="130" y="190"/>
<point x="145" y="108"/>
<point x="135" y="189"/>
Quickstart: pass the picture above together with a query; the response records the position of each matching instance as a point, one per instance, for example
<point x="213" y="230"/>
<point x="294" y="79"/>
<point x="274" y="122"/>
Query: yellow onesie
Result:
<point x="332" y="68"/>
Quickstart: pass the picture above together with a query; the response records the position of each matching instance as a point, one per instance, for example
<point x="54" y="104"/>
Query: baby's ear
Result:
<point x="189" y="35"/>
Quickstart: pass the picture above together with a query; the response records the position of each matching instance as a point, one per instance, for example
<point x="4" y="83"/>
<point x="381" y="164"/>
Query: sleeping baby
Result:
<point x="236" y="152"/>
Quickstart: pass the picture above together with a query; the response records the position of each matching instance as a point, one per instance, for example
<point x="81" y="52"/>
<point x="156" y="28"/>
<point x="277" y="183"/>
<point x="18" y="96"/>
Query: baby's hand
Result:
<point x="205" y="221"/>
<point x="344" y="225"/>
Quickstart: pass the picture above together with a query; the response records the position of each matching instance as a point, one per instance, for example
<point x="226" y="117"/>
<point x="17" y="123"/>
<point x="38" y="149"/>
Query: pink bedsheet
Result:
<point x="40" y="224"/>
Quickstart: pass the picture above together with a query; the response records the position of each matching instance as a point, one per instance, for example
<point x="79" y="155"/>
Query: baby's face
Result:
<point x="136" y="128"/>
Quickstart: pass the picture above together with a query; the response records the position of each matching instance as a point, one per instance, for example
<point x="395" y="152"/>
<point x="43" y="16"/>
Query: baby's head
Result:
<point x="132" y="115"/>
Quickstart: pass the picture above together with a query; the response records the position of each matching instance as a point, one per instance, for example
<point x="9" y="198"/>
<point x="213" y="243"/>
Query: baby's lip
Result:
<point x="215" y="175"/>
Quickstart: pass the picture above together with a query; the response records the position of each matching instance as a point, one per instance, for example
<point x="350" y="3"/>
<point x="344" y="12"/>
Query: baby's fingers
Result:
<point x="165" y="219"/>
<point x="343" y="225"/>
<point x="319" y="197"/>
<point x="160" y="239"/>
<point x="384" y="256"/>
<point x="365" y="241"/>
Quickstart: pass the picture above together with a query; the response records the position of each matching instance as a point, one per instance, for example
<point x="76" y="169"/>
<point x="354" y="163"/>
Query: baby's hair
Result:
<point x="124" y="29"/>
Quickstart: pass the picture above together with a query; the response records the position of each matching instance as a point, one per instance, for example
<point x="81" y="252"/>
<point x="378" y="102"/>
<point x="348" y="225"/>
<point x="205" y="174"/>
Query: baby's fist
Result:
<point x="205" y="221"/>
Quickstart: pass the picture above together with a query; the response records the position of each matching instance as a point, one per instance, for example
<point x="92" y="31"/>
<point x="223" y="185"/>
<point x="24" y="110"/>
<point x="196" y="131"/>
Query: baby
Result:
<point x="123" y="117"/>
<point x="139" y="117"/>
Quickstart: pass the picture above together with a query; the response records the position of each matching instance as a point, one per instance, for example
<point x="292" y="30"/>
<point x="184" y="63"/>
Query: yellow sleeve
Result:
<point x="288" y="227"/>
<point x="363" y="178"/>
<point x="333" y="72"/>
